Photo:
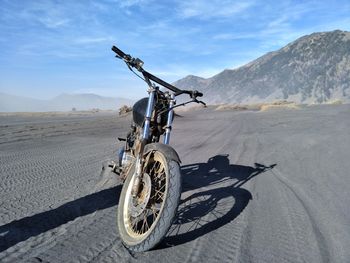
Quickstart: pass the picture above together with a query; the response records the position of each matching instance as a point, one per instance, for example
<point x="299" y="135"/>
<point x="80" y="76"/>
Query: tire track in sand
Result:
<point x="301" y="221"/>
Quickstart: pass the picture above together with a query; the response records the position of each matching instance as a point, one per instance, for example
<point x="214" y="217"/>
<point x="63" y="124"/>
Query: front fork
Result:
<point x="170" y="120"/>
<point x="145" y="137"/>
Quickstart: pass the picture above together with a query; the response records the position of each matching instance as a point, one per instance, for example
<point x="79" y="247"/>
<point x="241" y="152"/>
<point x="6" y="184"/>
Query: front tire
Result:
<point x="144" y="220"/>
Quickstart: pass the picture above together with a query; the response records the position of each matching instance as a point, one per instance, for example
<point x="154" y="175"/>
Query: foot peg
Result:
<point x="114" y="167"/>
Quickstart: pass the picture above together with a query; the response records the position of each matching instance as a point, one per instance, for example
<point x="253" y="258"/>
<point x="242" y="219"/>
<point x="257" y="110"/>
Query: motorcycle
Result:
<point x="149" y="169"/>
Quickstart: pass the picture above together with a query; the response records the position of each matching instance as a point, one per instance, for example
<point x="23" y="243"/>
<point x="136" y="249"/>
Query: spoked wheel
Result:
<point x="144" y="219"/>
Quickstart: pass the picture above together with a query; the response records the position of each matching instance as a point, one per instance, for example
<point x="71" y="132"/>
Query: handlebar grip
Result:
<point x="118" y="51"/>
<point x="198" y="94"/>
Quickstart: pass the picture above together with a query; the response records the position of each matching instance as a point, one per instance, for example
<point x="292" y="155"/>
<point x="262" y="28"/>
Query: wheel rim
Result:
<point x="141" y="213"/>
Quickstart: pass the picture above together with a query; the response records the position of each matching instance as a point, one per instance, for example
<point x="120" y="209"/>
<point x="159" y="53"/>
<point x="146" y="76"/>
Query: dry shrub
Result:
<point x="259" y="106"/>
<point x="124" y="110"/>
<point x="236" y="107"/>
<point x="291" y="105"/>
<point x="254" y="106"/>
<point x="334" y="102"/>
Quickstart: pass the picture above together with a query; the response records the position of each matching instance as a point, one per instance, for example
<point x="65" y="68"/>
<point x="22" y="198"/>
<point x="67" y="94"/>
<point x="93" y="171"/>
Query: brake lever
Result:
<point x="200" y="102"/>
<point x="126" y="59"/>
<point x="183" y="104"/>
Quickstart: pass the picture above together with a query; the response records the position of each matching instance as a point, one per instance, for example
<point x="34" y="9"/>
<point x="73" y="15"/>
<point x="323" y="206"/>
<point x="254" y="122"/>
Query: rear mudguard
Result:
<point x="165" y="149"/>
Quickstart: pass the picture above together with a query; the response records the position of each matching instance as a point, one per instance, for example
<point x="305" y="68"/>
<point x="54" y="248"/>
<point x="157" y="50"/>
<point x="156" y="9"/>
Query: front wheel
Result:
<point x="145" y="219"/>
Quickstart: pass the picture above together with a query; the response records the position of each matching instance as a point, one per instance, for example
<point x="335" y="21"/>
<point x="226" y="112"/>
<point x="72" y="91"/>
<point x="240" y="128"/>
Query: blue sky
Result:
<point x="52" y="47"/>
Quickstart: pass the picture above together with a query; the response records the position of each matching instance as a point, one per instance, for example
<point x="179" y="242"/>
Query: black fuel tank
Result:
<point x="139" y="111"/>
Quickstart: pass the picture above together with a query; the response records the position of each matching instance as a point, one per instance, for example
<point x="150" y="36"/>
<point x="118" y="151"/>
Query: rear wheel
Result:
<point x="145" y="219"/>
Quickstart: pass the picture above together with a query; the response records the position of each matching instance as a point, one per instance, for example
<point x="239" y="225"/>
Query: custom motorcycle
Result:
<point x="149" y="168"/>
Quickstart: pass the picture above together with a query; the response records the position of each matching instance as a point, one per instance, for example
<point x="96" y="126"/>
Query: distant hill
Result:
<point x="63" y="102"/>
<point x="312" y="69"/>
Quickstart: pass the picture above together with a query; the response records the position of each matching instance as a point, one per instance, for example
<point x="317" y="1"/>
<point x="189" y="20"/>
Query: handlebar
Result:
<point x="193" y="93"/>
<point x="137" y="63"/>
<point x="119" y="52"/>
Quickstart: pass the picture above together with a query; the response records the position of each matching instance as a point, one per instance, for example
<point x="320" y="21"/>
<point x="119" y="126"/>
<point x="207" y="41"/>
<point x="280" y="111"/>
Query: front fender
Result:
<point x="165" y="149"/>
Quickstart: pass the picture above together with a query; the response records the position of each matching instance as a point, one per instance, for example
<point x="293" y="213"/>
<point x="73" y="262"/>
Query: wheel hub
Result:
<point x="139" y="203"/>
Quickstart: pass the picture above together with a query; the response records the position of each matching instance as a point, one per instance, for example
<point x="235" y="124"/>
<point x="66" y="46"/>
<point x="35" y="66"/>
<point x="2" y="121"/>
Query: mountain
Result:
<point x="63" y="102"/>
<point x="11" y="103"/>
<point x="312" y="69"/>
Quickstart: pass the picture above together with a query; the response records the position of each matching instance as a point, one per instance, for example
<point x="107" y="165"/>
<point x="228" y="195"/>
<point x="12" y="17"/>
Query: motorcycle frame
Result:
<point x="151" y="103"/>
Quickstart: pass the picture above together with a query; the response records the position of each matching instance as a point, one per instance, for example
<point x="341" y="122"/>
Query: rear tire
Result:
<point x="144" y="220"/>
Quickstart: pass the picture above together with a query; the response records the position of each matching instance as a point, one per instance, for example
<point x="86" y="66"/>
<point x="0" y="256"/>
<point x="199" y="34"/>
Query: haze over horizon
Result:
<point x="49" y="48"/>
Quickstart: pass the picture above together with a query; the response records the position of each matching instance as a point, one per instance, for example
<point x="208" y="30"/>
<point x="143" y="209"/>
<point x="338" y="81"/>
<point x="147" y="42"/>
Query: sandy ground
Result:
<point x="268" y="186"/>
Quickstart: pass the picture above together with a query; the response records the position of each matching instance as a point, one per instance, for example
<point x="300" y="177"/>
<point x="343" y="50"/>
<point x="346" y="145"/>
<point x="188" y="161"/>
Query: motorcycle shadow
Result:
<point x="212" y="197"/>
<point x="27" y="227"/>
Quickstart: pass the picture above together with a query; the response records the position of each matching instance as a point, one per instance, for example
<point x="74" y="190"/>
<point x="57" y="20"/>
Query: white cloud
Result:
<point x="212" y="9"/>
<point x="233" y="36"/>
<point x="279" y="28"/>
<point x="53" y="22"/>
<point x="129" y="3"/>
<point x="45" y="13"/>
<point x="93" y="40"/>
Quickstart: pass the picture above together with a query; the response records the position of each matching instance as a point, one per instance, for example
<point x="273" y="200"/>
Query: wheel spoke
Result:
<point x="155" y="211"/>
<point x="142" y="223"/>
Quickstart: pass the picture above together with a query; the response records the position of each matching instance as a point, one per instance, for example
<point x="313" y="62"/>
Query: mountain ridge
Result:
<point x="311" y="69"/>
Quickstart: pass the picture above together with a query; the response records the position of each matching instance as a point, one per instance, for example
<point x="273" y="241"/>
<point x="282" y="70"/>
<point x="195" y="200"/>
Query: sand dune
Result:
<point x="258" y="186"/>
